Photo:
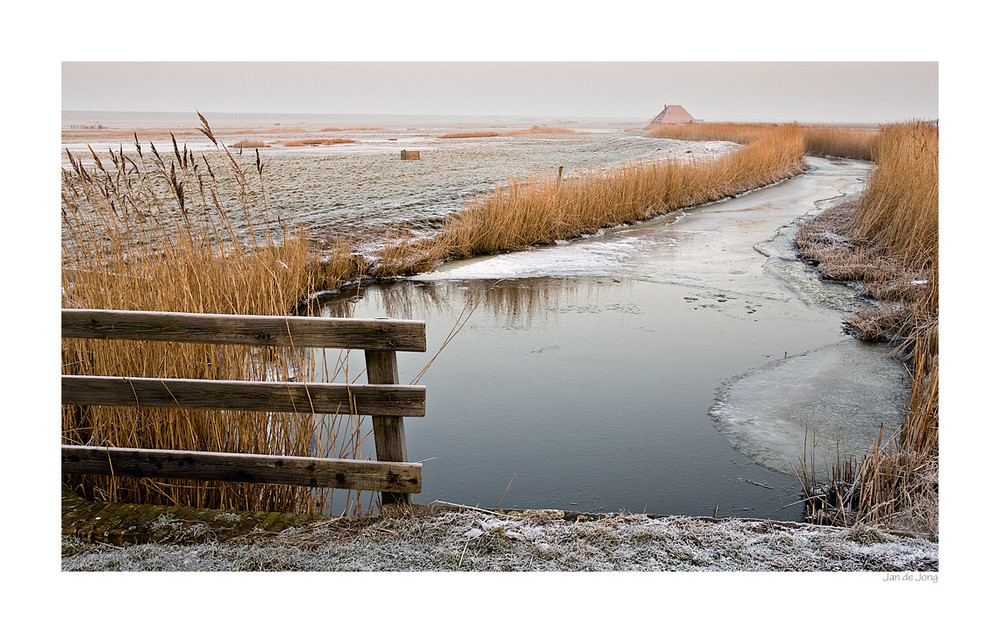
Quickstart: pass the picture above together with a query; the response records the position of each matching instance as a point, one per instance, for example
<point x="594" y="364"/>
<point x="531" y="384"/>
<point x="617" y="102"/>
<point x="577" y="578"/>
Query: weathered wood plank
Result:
<point x="388" y="431"/>
<point x="379" y="334"/>
<point x="263" y="469"/>
<point x="376" y="400"/>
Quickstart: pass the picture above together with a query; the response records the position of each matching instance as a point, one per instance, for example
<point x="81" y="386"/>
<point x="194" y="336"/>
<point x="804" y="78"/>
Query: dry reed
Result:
<point x="339" y="263"/>
<point x="146" y="230"/>
<point x="542" y="209"/>
<point x="403" y="253"/>
<point x="820" y="140"/>
<point x="478" y="134"/>
<point x="888" y="240"/>
<point x="742" y="133"/>
<point x="899" y="209"/>
<point x="317" y="141"/>
<point x="844" y="142"/>
<point x="250" y="144"/>
<point x="541" y="129"/>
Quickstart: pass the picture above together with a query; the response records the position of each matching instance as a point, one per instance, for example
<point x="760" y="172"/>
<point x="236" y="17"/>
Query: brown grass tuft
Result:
<point x="478" y="134"/>
<point x="317" y="141"/>
<point x="339" y="263"/>
<point x="403" y="253"/>
<point x="541" y="129"/>
<point x="250" y="144"/>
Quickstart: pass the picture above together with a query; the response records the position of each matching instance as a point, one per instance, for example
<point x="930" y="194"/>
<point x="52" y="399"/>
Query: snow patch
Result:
<point x="586" y="257"/>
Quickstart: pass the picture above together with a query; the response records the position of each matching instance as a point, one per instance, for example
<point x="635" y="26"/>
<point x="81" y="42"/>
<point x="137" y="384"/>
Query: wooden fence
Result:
<point x="383" y="398"/>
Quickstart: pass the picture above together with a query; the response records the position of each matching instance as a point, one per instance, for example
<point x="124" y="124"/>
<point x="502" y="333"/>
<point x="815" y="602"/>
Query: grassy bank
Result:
<point x="309" y="142"/>
<point x="545" y="208"/>
<point x="888" y="241"/>
<point x="818" y="140"/>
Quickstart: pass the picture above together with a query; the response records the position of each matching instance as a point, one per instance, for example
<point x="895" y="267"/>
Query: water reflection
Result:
<point x="587" y="394"/>
<point x="514" y="303"/>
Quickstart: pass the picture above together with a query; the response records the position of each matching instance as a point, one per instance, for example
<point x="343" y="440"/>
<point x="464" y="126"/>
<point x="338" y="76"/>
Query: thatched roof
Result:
<point x="672" y="114"/>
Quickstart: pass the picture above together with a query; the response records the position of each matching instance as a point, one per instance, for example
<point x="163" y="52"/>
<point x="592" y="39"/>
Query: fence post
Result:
<point x="390" y="439"/>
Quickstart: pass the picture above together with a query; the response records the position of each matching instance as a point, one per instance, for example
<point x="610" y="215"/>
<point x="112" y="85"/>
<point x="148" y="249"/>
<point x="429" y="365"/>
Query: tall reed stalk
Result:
<point x="844" y="142"/>
<point x="145" y="230"/>
<point x="899" y="208"/>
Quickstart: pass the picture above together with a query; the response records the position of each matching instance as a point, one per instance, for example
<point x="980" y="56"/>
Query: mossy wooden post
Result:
<point x="390" y="438"/>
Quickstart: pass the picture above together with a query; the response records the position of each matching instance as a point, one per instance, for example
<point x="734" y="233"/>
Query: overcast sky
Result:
<point x="780" y="60"/>
<point x="737" y="91"/>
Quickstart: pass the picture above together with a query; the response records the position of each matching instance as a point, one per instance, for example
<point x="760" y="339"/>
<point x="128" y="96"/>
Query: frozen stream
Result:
<point x="668" y="367"/>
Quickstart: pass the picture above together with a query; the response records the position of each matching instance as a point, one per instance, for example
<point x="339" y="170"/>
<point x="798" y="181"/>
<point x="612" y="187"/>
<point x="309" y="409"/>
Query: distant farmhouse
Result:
<point x="673" y="114"/>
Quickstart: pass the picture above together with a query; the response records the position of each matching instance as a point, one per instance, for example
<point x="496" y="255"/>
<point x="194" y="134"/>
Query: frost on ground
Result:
<point x="695" y="150"/>
<point x="479" y="540"/>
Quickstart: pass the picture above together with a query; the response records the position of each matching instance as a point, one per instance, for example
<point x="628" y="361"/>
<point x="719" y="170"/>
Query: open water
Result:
<point x="685" y="365"/>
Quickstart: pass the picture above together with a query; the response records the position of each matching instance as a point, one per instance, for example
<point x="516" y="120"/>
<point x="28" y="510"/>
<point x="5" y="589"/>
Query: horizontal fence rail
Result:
<point x="370" y="334"/>
<point x="383" y="399"/>
<point x="264" y="469"/>
<point x="240" y="395"/>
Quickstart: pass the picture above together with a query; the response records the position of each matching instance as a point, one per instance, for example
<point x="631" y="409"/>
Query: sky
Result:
<point x="823" y="91"/>
<point x="778" y="60"/>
